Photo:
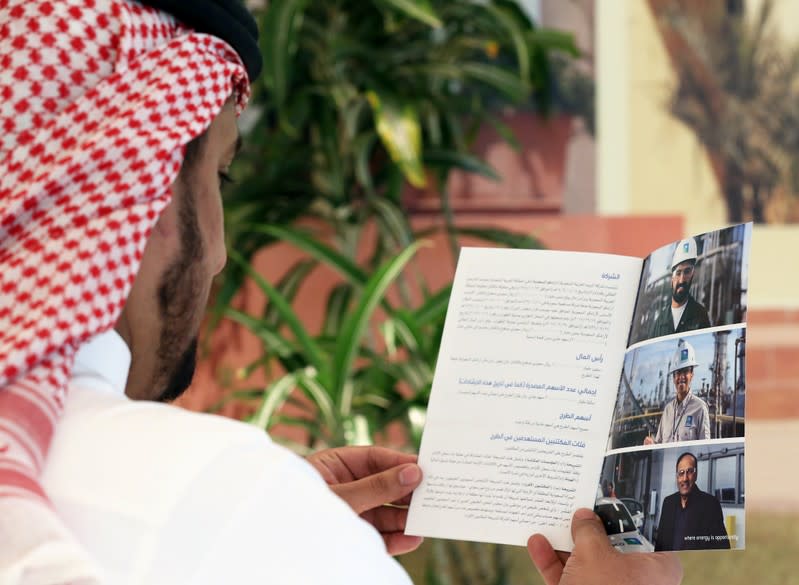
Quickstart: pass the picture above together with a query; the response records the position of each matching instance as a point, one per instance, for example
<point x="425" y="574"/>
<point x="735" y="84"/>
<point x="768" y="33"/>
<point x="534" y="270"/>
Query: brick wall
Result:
<point x="772" y="362"/>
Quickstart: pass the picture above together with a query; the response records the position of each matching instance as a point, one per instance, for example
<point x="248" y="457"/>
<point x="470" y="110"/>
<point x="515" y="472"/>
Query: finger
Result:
<point x="398" y="543"/>
<point x="387" y="519"/>
<point x="665" y="564"/>
<point x="380" y="488"/>
<point x="404" y="501"/>
<point x="589" y="535"/>
<point x="381" y="458"/>
<point x="548" y="563"/>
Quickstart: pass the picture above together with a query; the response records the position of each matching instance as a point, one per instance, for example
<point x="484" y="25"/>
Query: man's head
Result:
<point x="687" y="467"/>
<point x="682" y="382"/>
<point x="682" y="368"/>
<point x="98" y="99"/>
<point x="681" y="277"/>
<point x="683" y="265"/>
<point x="162" y="316"/>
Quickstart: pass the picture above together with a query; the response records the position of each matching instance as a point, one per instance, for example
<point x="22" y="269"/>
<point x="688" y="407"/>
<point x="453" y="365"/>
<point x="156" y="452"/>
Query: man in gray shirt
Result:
<point x="686" y="417"/>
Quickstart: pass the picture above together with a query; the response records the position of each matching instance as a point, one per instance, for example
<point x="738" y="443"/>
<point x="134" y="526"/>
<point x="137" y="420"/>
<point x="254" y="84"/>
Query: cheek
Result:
<point x="166" y="229"/>
<point x="213" y="228"/>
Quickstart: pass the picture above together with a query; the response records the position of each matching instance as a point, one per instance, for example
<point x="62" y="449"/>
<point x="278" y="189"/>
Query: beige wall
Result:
<point x="658" y="166"/>
<point x="649" y="163"/>
<point x="786" y="16"/>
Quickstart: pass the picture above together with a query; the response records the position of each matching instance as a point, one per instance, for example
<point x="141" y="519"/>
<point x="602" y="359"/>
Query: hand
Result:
<point x="594" y="561"/>
<point x="649" y="440"/>
<point x="368" y="478"/>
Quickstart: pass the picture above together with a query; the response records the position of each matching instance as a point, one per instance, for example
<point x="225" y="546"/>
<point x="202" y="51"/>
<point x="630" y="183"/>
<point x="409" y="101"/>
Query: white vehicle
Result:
<point x="636" y="510"/>
<point x="620" y="526"/>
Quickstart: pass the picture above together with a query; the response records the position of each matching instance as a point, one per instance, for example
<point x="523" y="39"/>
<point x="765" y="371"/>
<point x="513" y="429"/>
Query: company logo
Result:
<point x="684" y="355"/>
<point x="686" y="246"/>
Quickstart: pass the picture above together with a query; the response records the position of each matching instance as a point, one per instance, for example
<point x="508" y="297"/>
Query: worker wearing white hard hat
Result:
<point x="686" y="417"/>
<point x="684" y="313"/>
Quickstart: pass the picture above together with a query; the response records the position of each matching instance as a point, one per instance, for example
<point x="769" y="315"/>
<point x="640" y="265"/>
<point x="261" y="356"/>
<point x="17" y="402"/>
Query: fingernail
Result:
<point x="410" y="475"/>
<point x="584" y="514"/>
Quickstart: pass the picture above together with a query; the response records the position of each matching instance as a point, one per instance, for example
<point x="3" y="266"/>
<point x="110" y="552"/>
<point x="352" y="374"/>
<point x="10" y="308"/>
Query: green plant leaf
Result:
<point x="512" y="86"/>
<point x="552" y="39"/>
<point x="323" y="400"/>
<point x="420" y="10"/>
<point x="338" y="301"/>
<point x="274" y="397"/>
<point x="363" y="147"/>
<point x="357" y="322"/>
<point x="393" y="221"/>
<point x="279" y="43"/>
<point x="434" y="308"/>
<point x="404" y="327"/>
<point x="288" y="286"/>
<point x="304" y="340"/>
<point x="448" y="159"/>
<point x="316" y="249"/>
<point x="273" y="341"/>
<point x="505" y="131"/>
<point x="508" y="21"/>
<point x="401" y="133"/>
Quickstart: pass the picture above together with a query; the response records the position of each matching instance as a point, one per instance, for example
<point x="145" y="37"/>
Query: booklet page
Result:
<point x="673" y="477"/>
<point x="523" y="393"/>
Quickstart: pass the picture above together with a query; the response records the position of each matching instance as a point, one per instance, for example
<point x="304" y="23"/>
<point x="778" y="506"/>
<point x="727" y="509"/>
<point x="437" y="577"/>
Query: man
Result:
<point x="686" y="417"/>
<point x="684" y="313"/>
<point x="690" y="519"/>
<point x="111" y="233"/>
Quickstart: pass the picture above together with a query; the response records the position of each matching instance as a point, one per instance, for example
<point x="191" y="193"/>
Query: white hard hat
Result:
<point x="686" y="250"/>
<point x="684" y="357"/>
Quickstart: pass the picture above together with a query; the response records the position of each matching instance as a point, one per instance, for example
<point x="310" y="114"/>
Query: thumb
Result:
<point x="380" y="488"/>
<point x="589" y="536"/>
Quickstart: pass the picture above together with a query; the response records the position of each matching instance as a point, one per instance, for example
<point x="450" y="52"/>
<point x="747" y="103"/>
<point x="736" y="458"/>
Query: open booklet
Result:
<point x="569" y="380"/>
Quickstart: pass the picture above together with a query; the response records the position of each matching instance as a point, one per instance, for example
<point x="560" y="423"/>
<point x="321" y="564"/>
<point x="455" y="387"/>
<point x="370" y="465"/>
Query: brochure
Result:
<point x="569" y="380"/>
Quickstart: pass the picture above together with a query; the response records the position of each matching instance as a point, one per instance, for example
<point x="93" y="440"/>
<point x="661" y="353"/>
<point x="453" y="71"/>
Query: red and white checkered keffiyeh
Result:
<point x="97" y="100"/>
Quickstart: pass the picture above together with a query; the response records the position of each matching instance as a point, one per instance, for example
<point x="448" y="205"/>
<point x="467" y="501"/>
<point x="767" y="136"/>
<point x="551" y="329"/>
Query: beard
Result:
<point x="681" y="292"/>
<point x="181" y="298"/>
<point x="180" y="374"/>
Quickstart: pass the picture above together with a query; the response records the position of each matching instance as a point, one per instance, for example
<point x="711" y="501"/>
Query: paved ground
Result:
<point x="772" y="465"/>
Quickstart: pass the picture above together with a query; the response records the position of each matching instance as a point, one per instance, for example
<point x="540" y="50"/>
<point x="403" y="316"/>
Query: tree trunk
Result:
<point x="758" y="205"/>
<point x="734" y="194"/>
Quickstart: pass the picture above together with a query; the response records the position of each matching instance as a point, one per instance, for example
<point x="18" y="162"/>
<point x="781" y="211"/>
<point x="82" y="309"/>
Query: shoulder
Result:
<point x="695" y="306"/>
<point x="109" y="449"/>
<point x="698" y="402"/>
<point x="671" y="499"/>
<point x="706" y="498"/>
<point x="200" y="496"/>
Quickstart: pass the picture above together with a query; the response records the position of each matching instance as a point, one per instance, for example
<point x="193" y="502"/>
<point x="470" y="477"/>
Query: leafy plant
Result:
<point x="341" y="376"/>
<point x="360" y="97"/>
<point x="371" y="363"/>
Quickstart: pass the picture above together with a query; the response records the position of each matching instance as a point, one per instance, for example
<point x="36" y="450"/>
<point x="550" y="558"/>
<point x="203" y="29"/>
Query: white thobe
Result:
<point x="159" y="495"/>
